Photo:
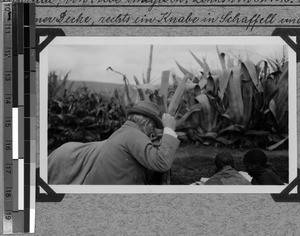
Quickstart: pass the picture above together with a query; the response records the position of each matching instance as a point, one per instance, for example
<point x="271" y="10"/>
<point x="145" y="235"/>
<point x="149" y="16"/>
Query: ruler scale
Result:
<point x="19" y="117"/>
<point x="26" y="120"/>
<point x="18" y="217"/>
<point x="29" y="118"/>
<point x="15" y="113"/>
<point x="20" y="73"/>
<point x="33" y="111"/>
<point x="7" y="85"/>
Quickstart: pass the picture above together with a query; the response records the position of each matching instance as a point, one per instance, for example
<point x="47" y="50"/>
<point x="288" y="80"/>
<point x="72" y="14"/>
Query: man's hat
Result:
<point x="148" y="109"/>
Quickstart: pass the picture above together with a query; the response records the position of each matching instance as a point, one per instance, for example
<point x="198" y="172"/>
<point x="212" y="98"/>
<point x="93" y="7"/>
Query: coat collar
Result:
<point x="131" y="124"/>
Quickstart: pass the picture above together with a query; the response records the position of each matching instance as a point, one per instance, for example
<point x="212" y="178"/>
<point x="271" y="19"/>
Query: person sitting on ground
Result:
<point x="226" y="174"/>
<point x="257" y="167"/>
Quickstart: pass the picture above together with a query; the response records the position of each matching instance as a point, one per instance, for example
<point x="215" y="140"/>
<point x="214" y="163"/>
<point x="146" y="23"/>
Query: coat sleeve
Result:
<point x="153" y="158"/>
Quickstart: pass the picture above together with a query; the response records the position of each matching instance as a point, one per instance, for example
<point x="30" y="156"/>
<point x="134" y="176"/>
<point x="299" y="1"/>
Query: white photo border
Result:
<point x="206" y="40"/>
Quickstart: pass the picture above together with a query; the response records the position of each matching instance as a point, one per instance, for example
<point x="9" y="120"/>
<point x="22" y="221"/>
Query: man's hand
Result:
<point x="169" y="121"/>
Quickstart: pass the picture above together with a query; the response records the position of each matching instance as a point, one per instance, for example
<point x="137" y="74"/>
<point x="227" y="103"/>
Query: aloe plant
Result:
<point x="239" y="101"/>
<point x="237" y="98"/>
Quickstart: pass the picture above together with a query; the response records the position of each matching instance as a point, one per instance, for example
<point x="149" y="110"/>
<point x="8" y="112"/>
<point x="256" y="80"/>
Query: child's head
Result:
<point x="255" y="161"/>
<point x="223" y="159"/>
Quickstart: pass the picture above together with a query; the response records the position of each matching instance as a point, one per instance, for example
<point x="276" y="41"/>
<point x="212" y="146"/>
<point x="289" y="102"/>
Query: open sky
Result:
<point x="89" y="62"/>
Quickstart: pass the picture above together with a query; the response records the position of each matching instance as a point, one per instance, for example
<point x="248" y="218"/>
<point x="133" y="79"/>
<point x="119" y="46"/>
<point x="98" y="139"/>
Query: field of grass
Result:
<point x="106" y="89"/>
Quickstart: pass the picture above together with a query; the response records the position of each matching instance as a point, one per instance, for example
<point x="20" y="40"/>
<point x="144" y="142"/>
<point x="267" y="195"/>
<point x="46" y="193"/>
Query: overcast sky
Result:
<point x="89" y="62"/>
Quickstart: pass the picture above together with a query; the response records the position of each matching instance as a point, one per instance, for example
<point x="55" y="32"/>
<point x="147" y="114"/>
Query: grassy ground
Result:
<point x="193" y="162"/>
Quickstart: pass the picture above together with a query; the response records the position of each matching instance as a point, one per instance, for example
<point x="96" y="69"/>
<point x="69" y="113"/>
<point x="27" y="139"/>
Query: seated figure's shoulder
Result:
<point x="268" y="172"/>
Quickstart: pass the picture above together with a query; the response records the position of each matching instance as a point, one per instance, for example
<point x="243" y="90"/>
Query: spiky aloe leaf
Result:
<point x="190" y="123"/>
<point x="163" y="91"/>
<point x="223" y="81"/>
<point x="230" y="62"/>
<point x="127" y="99"/>
<point x="202" y="64"/>
<point x="259" y="97"/>
<point x="283" y="126"/>
<point x="196" y="80"/>
<point x="144" y="80"/>
<point x="258" y="101"/>
<point x="257" y="132"/>
<point x="275" y="66"/>
<point x="206" y="66"/>
<point x="214" y="101"/>
<point x="149" y="88"/>
<point x="177" y="97"/>
<point x="270" y="90"/>
<point x="190" y="86"/>
<point x="71" y="85"/>
<point x="136" y="80"/>
<point x="202" y="83"/>
<point x="254" y="76"/>
<point x="221" y="58"/>
<point x="176" y="80"/>
<point x="195" y="108"/>
<point x="216" y="109"/>
<point x="60" y="90"/>
<point x="272" y="107"/>
<point x="184" y="71"/>
<point x="283" y="79"/>
<point x="247" y="94"/>
<point x="275" y="76"/>
<point x="140" y="91"/>
<point x="238" y="88"/>
<point x="190" y="98"/>
<point x="160" y="100"/>
<point x="276" y="145"/>
<point x="207" y="120"/>
<point x="152" y="98"/>
<point x="281" y="99"/>
<point x="234" y="127"/>
<point x="235" y="109"/>
<point x="261" y="71"/>
<point x="259" y="68"/>
<point x="211" y="135"/>
<point x="191" y="134"/>
<point x="210" y="85"/>
<point x="222" y="140"/>
<point x="265" y="71"/>
<point x="217" y="82"/>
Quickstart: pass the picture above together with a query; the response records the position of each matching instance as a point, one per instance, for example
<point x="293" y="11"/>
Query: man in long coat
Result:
<point x="128" y="154"/>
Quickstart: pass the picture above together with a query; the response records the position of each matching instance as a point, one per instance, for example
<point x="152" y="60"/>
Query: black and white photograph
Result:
<point x="168" y="114"/>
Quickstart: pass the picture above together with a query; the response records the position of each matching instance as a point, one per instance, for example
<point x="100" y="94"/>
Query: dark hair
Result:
<point x="224" y="159"/>
<point x="256" y="157"/>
